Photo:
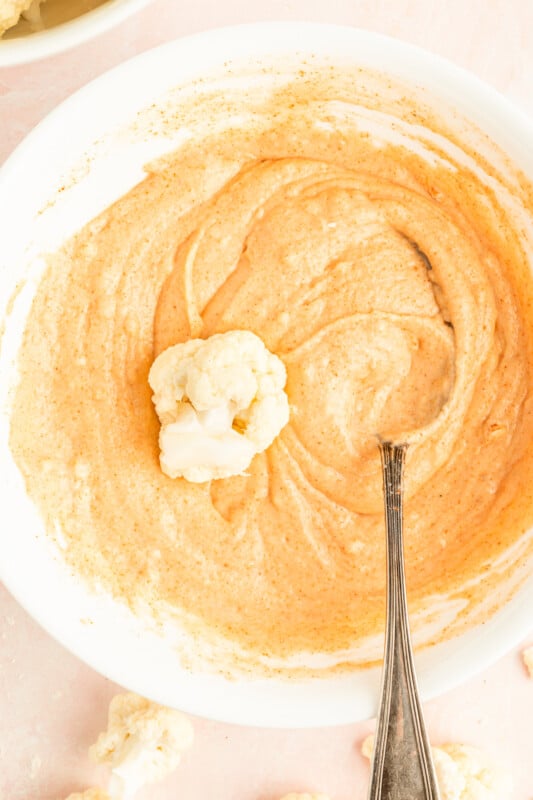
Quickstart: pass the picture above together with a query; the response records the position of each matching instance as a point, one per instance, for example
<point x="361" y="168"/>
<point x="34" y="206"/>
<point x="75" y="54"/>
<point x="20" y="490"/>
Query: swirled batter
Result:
<point x="394" y="285"/>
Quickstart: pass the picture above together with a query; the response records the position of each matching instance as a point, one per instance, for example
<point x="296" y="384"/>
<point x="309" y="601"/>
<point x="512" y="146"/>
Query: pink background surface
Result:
<point x="51" y="705"/>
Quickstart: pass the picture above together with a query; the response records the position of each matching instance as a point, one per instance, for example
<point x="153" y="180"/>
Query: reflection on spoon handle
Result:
<point x="402" y="767"/>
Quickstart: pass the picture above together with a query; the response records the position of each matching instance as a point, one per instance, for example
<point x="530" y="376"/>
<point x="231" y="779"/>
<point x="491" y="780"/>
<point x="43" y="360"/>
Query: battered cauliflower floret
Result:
<point x="305" y="796"/>
<point x="11" y="11"/>
<point x="220" y="401"/>
<point x="463" y="773"/>
<point x="90" y="794"/>
<point x="143" y="743"/>
<point x="527" y="656"/>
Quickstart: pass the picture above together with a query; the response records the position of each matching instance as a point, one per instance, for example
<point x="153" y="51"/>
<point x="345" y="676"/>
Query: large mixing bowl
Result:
<point x="65" y="172"/>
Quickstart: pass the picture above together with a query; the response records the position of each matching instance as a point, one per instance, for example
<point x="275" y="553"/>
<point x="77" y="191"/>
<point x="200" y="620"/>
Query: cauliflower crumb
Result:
<point x="527" y="656"/>
<point x="304" y="796"/>
<point x="90" y="794"/>
<point x="367" y="748"/>
<point x="220" y="401"/>
<point x="463" y="773"/>
<point x="143" y="743"/>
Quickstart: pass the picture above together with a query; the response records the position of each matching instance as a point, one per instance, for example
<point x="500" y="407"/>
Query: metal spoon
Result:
<point x="402" y="767"/>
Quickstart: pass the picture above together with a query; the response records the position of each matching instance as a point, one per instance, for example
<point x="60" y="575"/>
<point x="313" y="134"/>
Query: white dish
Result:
<point x="96" y="629"/>
<point x="49" y="42"/>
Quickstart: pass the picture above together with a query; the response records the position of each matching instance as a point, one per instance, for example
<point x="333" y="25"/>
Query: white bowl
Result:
<point x="41" y="44"/>
<point x="116" y="644"/>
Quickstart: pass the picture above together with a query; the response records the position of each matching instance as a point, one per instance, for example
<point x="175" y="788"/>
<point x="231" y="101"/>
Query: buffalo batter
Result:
<point x="395" y="288"/>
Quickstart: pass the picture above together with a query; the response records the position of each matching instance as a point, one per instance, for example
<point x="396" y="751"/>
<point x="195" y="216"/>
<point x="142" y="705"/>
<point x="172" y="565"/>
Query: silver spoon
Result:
<point x="402" y="767"/>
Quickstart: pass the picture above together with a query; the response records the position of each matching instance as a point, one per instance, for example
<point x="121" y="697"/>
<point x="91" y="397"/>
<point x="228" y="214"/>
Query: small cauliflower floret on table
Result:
<point x="12" y="10"/>
<point x="220" y="401"/>
<point x="466" y="773"/>
<point x="143" y="743"/>
<point x="463" y="773"/>
<point x="90" y="794"/>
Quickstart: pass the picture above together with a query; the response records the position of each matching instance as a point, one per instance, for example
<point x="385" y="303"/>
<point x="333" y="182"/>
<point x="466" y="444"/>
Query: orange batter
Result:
<point x="396" y="290"/>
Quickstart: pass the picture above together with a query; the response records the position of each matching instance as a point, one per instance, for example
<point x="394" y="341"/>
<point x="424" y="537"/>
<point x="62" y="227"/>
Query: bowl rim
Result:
<point x="67" y="35"/>
<point x="261" y="702"/>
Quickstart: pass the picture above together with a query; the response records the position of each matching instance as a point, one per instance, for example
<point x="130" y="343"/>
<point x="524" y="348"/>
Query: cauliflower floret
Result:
<point x="143" y="743"/>
<point x="11" y="11"/>
<point x="305" y="796"/>
<point x="483" y="779"/>
<point x="451" y="781"/>
<point x="463" y="773"/>
<point x="527" y="655"/>
<point x="220" y="401"/>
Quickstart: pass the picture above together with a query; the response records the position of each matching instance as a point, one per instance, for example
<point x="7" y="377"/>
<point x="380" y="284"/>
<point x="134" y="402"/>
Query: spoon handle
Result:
<point x="402" y="767"/>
